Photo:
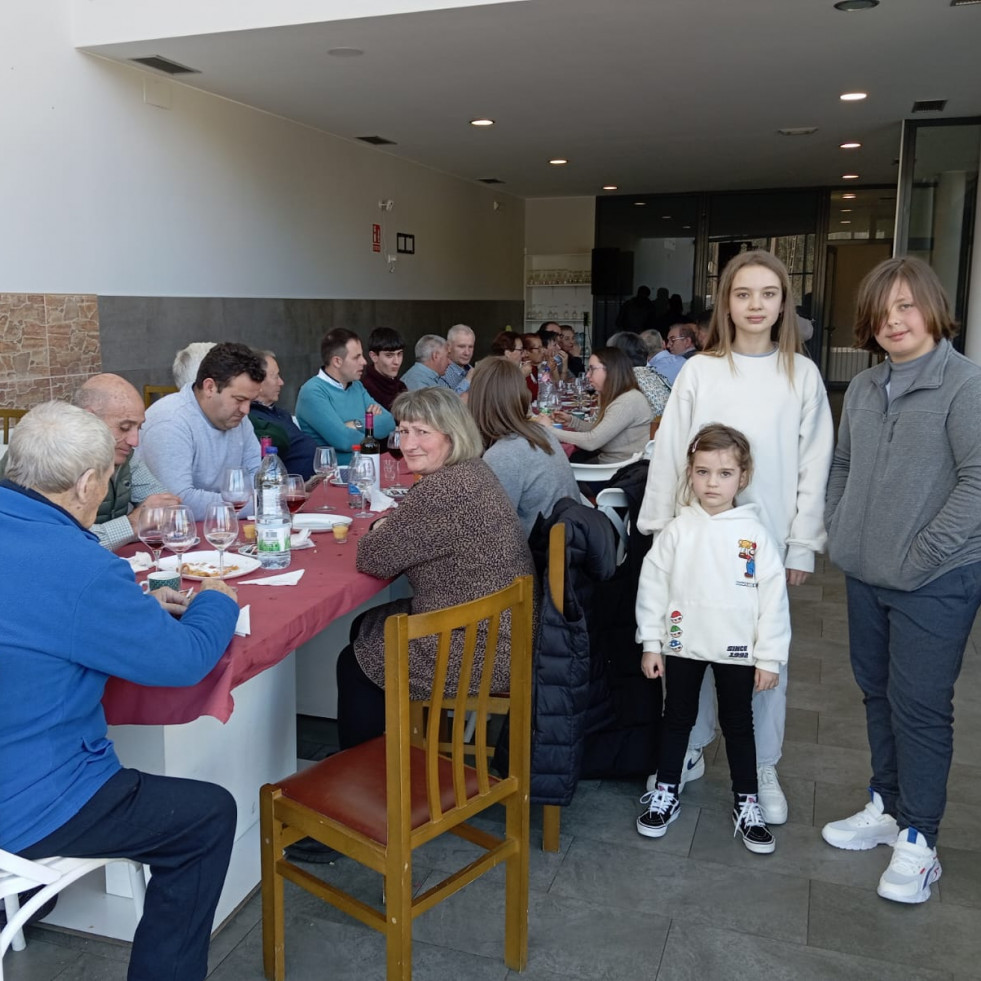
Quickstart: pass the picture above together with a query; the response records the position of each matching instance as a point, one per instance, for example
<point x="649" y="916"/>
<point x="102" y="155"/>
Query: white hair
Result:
<point x="54" y="444"/>
<point x="457" y="329"/>
<point x="428" y="345"/>
<point x="188" y="360"/>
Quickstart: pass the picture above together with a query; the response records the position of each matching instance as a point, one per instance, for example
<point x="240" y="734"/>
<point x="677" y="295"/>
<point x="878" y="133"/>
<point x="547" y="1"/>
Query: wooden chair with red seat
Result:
<point x="379" y="801"/>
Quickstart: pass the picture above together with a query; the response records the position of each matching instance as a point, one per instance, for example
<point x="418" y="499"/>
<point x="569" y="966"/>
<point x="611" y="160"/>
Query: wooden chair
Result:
<point x="18" y="875"/>
<point x="500" y="704"/>
<point x="153" y="392"/>
<point x="379" y="801"/>
<point x="9" y="418"/>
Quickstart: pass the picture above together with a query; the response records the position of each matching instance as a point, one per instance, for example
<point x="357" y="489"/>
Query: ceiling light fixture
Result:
<point x="558" y="161"/>
<point x="640" y="204"/>
<point x="846" y="222"/>
<point x="345" y="52"/>
<point x="481" y="122"/>
<point x="963" y="3"/>
<point x="609" y="187"/>
<point x="853" y="96"/>
<point x="856" y="4"/>
<point x="849" y="146"/>
<point x="848" y="197"/>
<point x="845" y="211"/>
<point x="850" y="177"/>
<point x="666" y="217"/>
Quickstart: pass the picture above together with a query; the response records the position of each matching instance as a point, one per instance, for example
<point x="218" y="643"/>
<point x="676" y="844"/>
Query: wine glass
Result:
<point x="325" y="462"/>
<point x="178" y="532"/>
<point x="148" y="530"/>
<point x="236" y="488"/>
<point x="220" y="529"/>
<point x="394" y="446"/>
<point x="296" y="492"/>
<point x="363" y="476"/>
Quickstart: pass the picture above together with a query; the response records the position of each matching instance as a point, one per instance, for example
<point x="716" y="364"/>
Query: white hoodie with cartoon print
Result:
<point x="713" y="588"/>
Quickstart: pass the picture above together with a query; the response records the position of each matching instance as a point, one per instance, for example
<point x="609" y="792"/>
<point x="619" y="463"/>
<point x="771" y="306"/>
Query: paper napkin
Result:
<point x="140" y="562"/>
<point x="284" y="579"/>
<point x="243" y="626"/>
<point x="380" y="501"/>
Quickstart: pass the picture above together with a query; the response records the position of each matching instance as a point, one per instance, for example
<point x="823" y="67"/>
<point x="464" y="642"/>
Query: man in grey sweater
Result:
<point x="191" y="437"/>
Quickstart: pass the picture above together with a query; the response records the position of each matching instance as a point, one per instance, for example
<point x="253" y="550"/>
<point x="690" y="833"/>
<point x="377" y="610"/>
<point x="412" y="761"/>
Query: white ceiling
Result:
<point x="651" y="95"/>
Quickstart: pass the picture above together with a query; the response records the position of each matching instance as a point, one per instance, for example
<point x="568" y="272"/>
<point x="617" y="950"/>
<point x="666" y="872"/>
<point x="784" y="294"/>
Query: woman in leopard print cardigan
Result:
<point x="456" y="537"/>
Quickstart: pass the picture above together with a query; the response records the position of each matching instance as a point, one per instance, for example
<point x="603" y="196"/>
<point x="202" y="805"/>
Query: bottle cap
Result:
<point x="357" y="446"/>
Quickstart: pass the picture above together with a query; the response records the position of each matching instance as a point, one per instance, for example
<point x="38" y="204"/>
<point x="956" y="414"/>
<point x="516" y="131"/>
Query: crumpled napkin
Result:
<point x="379" y="500"/>
<point x="300" y="538"/>
<point x="140" y="562"/>
<point x="243" y="626"/>
<point x="283" y="579"/>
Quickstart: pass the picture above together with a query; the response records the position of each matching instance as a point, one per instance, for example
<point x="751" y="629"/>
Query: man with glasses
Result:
<point x="679" y="347"/>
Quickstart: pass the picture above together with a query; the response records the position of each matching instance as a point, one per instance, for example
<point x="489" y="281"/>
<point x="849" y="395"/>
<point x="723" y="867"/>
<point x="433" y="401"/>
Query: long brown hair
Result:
<point x="784" y="333"/>
<point x="499" y="401"/>
<point x="620" y="377"/>
<point x="928" y="294"/>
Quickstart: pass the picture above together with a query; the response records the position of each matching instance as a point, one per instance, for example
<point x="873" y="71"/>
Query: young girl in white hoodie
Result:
<point x="713" y="592"/>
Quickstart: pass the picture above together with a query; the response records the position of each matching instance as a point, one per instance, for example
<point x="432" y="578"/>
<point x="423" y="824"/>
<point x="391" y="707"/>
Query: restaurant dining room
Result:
<point x="292" y="684"/>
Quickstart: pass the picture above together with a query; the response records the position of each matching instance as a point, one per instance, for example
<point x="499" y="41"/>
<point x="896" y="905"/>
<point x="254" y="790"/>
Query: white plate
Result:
<point x="208" y="562"/>
<point x="320" y="522"/>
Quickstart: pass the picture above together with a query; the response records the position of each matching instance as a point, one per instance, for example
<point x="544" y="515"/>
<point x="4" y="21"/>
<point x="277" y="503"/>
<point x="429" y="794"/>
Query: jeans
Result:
<point x="906" y="652"/>
<point x="182" y="829"/>
<point x="769" y="720"/>
<point x="734" y="684"/>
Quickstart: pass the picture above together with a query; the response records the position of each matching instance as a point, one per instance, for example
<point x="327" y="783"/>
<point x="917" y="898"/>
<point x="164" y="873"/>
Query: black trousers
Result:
<point x="734" y="689"/>
<point x="182" y="829"/>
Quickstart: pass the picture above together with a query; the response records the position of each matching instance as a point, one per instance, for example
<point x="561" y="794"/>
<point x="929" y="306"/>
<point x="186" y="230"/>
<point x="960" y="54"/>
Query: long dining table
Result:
<point x="237" y="727"/>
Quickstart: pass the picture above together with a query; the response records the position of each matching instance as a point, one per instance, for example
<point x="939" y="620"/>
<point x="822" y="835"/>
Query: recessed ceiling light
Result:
<point x="665" y="217"/>
<point x="856" y="4"/>
<point x="848" y="197"/>
<point x="850" y="177"/>
<point x="963" y="3"/>
<point x="853" y="96"/>
<point x="686" y="226"/>
<point x="845" y="211"/>
<point x="640" y="204"/>
<point x="481" y="122"/>
<point x="558" y="161"/>
<point x="849" y="146"/>
<point x="609" y="187"/>
<point x="845" y="222"/>
<point x="345" y="52"/>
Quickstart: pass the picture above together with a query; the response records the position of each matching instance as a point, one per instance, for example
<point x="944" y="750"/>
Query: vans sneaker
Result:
<point x="747" y="818"/>
<point x="772" y="801"/>
<point x="693" y="769"/>
<point x="870" y="827"/>
<point x="662" y="809"/>
<point x="912" y="870"/>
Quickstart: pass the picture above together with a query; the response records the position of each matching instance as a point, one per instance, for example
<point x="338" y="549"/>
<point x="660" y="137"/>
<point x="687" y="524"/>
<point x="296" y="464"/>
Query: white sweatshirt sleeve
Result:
<point x="652" y="593"/>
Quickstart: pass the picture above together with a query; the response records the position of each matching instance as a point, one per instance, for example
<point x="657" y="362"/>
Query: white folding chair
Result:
<point x="18" y="875"/>
<point x="601" y="471"/>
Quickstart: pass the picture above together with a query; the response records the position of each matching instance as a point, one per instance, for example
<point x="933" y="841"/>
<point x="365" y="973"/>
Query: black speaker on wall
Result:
<point x="612" y="272"/>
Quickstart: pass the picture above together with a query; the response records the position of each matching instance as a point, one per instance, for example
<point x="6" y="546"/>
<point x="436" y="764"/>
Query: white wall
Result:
<point x="554" y="225"/>
<point x="102" y="193"/>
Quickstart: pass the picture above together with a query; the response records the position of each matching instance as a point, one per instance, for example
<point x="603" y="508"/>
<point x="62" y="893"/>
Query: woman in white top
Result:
<point x="753" y="378"/>
<point x="623" y="425"/>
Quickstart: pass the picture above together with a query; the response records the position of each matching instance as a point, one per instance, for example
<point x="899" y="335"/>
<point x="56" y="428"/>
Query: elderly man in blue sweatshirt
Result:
<point x="73" y="617"/>
<point x="331" y="407"/>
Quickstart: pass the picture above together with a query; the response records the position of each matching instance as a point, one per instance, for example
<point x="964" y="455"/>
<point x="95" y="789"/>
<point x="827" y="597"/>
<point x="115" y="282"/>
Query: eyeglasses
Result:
<point x="594" y="367"/>
<point x="673" y="340"/>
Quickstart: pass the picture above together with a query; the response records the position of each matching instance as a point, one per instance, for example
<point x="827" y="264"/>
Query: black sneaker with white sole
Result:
<point x="747" y="818"/>
<point x="662" y="808"/>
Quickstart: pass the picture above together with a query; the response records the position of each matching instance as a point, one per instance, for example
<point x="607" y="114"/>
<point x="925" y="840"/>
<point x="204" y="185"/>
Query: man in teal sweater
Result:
<point x="332" y="405"/>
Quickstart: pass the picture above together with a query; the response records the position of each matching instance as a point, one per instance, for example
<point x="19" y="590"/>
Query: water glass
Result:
<point x="325" y="463"/>
<point x="220" y="530"/>
<point x="178" y="532"/>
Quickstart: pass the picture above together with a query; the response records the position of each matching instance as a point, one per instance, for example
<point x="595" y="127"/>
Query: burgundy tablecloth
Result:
<point x="283" y="617"/>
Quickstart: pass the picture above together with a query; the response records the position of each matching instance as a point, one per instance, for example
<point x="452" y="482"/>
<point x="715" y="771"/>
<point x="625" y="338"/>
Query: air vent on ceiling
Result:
<point x="798" y="131"/>
<point x="929" y="105"/>
<point x="490" y="180"/>
<point x="376" y="140"/>
<point x="166" y="65"/>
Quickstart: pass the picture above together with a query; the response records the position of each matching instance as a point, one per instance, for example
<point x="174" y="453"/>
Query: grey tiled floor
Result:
<point x="692" y="906"/>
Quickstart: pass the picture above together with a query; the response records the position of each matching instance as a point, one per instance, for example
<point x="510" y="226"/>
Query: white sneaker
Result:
<point x="912" y="870"/>
<point x="693" y="769"/>
<point x="870" y="827"/>
<point x="772" y="801"/>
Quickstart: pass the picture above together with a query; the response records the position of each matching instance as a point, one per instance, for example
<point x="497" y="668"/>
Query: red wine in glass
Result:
<point x="295" y="502"/>
<point x="395" y="451"/>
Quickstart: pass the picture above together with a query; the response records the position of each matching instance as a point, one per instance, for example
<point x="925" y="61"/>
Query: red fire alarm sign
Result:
<point x="376" y="238"/>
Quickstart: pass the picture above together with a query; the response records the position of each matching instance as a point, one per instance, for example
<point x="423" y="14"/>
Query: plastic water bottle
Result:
<point x="353" y="492"/>
<point x="272" y="516"/>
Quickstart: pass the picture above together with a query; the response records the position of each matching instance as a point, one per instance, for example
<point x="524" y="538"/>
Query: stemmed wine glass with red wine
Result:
<point x="394" y="447"/>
